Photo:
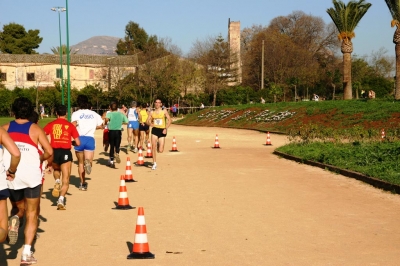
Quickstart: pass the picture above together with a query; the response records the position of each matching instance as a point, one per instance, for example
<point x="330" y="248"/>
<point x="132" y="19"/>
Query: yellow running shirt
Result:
<point x="158" y="119"/>
<point x="144" y="115"/>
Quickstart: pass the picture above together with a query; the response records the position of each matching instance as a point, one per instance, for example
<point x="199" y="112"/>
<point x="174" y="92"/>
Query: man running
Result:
<point x="86" y="121"/>
<point x="26" y="186"/>
<point x="7" y="143"/>
<point x="143" y="127"/>
<point x="61" y="132"/>
<point x="115" y="119"/>
<point x="133" y="127"/>
<point x="159" y="128"/>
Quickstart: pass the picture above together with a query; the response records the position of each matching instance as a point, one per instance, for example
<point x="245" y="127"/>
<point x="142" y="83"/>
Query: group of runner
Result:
<point x="24" y="143"/>
<point x="139" y="119"/>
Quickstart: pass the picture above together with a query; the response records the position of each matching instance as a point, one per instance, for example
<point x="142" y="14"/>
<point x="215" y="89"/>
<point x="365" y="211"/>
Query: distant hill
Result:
<point x="97" y="45"/>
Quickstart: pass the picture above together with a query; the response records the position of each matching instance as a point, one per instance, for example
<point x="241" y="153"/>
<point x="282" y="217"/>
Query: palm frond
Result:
<point x="394" y="9"/>
<point x="346" y="17"/>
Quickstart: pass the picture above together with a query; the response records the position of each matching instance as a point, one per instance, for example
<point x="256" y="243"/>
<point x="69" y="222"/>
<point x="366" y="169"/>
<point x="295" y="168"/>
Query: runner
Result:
<point x="143" y="127"/>
<point x="61" y="131"/>
<point x="106" y="143"/>
<point x="8" y="143"/>
<point x="159" y="128"/>
<point x="115" y="119"/>
<point x="133" y="126"/>
<point x="26" y="186"/>
<point x="86" y="121"/>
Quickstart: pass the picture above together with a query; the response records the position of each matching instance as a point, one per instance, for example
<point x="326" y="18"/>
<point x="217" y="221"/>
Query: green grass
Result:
<point x="42" y="122"/>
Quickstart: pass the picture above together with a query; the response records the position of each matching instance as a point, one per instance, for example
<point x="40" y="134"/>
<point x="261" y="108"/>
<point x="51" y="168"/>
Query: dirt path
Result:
<point x="238" y="205"/>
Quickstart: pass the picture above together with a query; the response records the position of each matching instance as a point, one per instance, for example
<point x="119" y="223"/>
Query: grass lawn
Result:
<point x="42" y="122"/>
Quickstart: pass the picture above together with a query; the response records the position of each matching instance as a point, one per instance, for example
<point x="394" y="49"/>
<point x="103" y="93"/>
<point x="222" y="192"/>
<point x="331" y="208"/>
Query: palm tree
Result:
<point x="56" y="50"/>
<point x="394" y="8"/>
<point x="346" y="19"/>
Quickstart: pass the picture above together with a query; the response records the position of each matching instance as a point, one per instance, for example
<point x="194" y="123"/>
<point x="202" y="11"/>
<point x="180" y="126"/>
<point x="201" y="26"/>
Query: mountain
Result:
<point x="97" y="45"/>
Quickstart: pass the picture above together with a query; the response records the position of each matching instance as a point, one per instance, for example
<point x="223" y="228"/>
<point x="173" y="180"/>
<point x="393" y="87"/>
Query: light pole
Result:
<point x="68" y="63"/>
<point x="60" y="9"/>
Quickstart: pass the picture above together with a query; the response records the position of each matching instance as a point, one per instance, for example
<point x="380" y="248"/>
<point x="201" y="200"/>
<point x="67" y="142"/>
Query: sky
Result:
<point x="181" y="21"/>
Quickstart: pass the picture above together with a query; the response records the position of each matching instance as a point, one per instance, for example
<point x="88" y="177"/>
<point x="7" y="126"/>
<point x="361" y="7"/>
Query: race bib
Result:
<point x="158" y="122"/>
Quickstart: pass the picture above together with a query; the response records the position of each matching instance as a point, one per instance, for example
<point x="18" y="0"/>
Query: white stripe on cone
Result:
<point x="140" y="238"/>
<point x="140" y="220"/>
<point x="123" y="195"/>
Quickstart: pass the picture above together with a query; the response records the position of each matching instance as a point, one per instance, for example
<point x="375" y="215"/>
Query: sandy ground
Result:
<point x="238" y="205"/>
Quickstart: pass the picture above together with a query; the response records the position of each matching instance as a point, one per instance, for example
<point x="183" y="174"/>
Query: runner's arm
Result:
<point x="149" y="119"/>
<point x="168" y="119"/>
<point x="9" y="144"/>
<point x="42" y="139"/>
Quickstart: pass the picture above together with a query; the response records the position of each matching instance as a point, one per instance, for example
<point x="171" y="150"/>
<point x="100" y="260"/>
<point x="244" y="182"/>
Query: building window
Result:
<point x="3" y="76"/>
<point x="58" y="73"/>
<point x="30" y="76"/>
<point x="91" y="74"/>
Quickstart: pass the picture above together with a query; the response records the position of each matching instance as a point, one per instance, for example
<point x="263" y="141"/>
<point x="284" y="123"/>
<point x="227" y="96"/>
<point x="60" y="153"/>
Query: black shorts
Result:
<point x="158" y="132"/>
<point x="29" y="193"/>
<point x="62" y="156"/>
<point x="143" y="127"/>
<point x="4" y="194"/>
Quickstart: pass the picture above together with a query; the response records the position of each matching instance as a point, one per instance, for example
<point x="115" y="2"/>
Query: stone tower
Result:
<point x="234" y="44"/>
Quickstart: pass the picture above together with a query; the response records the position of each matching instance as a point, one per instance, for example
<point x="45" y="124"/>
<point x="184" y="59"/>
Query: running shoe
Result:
<point x="87" y="166"/>
<point x="83" y="187"/>
<point x="129" y="146"/>
<point x="117" y="159"/>
<point x="13" y="225"/>
<point x="135" y="150"/>
<point x="28" y="259"/>
<point x="60" y="205"/>
<point x="154" y="166"/>
<point x="56" y="190"/>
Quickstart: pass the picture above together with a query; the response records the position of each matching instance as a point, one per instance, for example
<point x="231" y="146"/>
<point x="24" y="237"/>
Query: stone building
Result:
<point x="234" y="46"/>
<point x="43" y="70"/>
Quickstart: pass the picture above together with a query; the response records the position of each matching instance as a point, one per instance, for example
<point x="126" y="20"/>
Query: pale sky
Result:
<point x="183" y="21"/>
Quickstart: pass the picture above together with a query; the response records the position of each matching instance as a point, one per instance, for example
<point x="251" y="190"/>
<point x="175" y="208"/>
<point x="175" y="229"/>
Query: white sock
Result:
<point x="58" y="181"/>
<point x="61" y="198"/>
<point x="27" y="249"/>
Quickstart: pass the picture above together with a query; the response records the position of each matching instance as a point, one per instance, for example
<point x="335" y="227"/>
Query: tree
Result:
<point x="217" y="61"/>
<point x="135" y="40"/>
<point x="346" y="18"/>
<point x="14" y="39"/>
<point x="56" y="50"/>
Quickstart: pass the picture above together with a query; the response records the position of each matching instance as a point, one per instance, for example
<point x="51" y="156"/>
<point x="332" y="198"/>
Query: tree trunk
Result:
<point x="347" y="49"/>
<point x="397" y="93"/>
<point x="347" y="89"/>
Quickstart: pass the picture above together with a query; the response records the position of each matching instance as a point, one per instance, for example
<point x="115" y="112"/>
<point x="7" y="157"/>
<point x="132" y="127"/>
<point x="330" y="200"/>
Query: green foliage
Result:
<point x="394" y="8"/>
<point x="375" y="159"/>
<point x="346" y="17"/>
<point x="14" y="39"/>
<point x="235" y="95"/>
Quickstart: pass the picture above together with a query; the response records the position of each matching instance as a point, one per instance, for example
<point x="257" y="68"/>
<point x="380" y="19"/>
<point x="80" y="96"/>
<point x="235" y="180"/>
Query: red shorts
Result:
<point x="105" y="136"/>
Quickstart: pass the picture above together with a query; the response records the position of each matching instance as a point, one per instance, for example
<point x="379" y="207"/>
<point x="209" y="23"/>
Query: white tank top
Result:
<point x="132" y="115"/>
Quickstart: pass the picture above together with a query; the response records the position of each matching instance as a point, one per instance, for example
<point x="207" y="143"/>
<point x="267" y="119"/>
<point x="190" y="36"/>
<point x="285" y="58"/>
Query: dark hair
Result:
<point x="61" y="110"/>
<point x="82" y="101"/>
<point x="34" y="117"/>
<point x="22" y="108"/>
<point x="113" y="106"/>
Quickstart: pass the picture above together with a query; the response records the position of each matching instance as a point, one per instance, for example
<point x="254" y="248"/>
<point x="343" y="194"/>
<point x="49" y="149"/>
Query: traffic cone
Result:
<point x="123" y="201"/>
<point x="174" y="148"/>
<point x="128" y="171"/>
<point x="140" y="249"/>
<point x="149" y="154"/>
<point x="268" y="143"/>
<point x="216" y="143"/>
<point x="140" y="161"/>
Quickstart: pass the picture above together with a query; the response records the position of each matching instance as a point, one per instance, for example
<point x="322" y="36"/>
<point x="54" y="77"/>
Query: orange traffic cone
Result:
<point x="216" y="143"/>
<point x="268" y="139"/>
<point x="149" y="154"/>
<point x="128" y="171"/>
<point x="123" y="201"/>
<point x="140" y="248"/>
<point x="174" y="148"/>
<point x="140" y="161"/>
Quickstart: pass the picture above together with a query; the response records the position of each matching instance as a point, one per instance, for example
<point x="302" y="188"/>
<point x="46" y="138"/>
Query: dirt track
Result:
<point x="238" y="205"/>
